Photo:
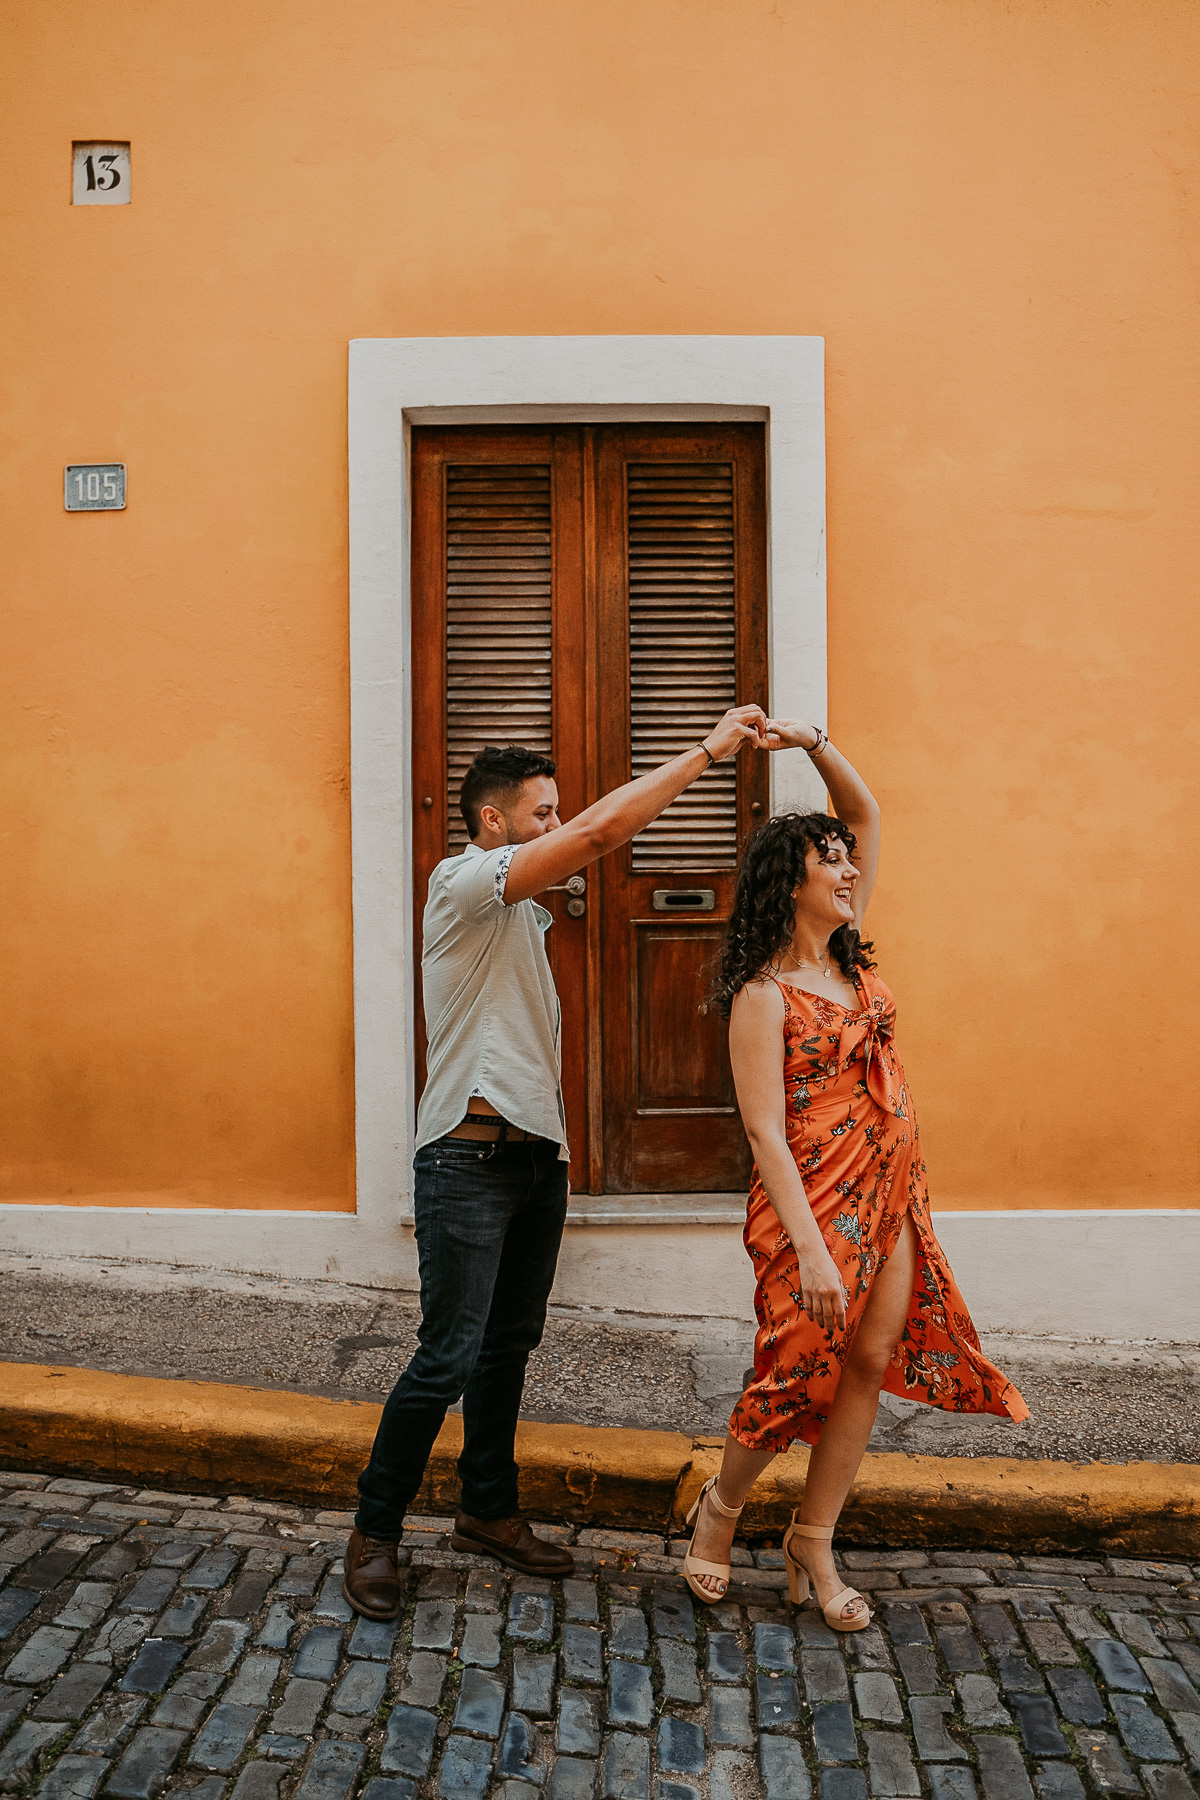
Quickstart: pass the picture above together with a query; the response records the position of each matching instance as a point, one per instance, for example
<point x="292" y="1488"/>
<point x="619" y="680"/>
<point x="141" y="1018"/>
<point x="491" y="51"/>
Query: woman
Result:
<point x="854" y="1292"/>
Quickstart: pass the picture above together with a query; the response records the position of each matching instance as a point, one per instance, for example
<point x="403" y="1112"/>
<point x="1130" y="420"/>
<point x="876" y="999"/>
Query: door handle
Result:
<point x="576" y="886"/>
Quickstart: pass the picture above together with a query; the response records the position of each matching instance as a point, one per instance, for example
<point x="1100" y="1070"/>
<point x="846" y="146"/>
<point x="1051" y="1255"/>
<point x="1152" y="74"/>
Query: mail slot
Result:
<point x="683" y="899"/>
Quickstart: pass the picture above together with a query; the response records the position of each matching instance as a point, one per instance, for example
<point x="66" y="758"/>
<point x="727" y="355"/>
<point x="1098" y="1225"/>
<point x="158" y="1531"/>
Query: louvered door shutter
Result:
<point x="682" y="649"/>
<point x="499" y="569"/>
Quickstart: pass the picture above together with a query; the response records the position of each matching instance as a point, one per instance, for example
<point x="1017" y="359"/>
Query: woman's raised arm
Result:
<point x="852" y="800"/>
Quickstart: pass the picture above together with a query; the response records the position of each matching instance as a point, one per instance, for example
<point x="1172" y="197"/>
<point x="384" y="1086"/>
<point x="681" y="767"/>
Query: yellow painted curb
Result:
<point x="206" y="1437"/>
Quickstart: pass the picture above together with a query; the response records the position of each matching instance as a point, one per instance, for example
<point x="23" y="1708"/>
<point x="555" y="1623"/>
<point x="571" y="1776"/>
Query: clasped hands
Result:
<point x="744" y="725"/>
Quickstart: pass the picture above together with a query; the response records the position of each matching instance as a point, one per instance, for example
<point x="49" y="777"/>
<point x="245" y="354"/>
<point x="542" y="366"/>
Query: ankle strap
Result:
<point x="812" y="1531"/>
<point x="710" y="1488"/>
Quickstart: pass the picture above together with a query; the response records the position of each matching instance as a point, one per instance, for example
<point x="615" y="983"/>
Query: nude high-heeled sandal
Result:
<point x="694" y="1565"/>
<point x="799" y="1580"/>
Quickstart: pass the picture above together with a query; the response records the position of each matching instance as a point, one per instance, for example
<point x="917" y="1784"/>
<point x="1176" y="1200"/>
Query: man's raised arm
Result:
<point x="619" y="816"/>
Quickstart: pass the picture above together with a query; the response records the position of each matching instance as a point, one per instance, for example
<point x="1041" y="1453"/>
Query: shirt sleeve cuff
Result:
<point x="500" y="878"/>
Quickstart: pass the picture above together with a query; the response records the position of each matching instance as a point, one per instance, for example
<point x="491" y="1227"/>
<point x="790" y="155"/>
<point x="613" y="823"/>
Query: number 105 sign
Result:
<point x="94" y="487"/>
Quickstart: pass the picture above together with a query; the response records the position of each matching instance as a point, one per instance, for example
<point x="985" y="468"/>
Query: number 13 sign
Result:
<point x="100" y="175"/>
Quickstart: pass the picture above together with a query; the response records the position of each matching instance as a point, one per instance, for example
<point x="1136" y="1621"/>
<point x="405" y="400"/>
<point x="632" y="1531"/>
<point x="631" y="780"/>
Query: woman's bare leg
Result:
<point x="740" y="1469"/>
<point x="834" y="1461"/>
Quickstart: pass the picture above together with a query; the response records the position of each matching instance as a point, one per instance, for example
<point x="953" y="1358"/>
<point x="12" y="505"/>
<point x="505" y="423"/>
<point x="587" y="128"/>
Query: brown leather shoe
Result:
<point x="514" y="1543"/>
<point x="372" y="1580"/>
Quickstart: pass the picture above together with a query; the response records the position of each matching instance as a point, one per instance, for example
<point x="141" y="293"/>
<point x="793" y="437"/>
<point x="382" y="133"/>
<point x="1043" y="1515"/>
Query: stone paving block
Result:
<point x="960" y="1648"/>
<point x="581" y="1601"/>
<point x="223" y="1737"/>
<point x="994" y="1625"/>
<point x="257" y="1781"/>
<point x="74" y="1778"/>
<point x="870" y="1650"/>
<point x="1118" y="1666"/>
<point x="423" y="1678"/>
<point x="319" y="1653"/>
<point x="486" y="1589"/>
<point x="726" y="1658"/>
<point x="52" y="1567"/>
<point x="109" y="1725"/>
<point x="578" y="1732"/>
<point x="361" y="1689"/>
<point x="630" y="1695"/>
<point x="1144" y="1733"/>
<point x="481" y="1640"/>
<point x="674" y="1616"/>
<point x="466" y="1766"/>
<point x="571" y="1778"/>
<point x="408" y="1747"/>
<point x="480" y="1704"/>
<point x="332" y="1772"/>
<point x="146" y="1764"/>
<point x="187" y="1702"/>
<point x="812" y="1633"/>
<point x="679" y="1678"/>
<point x="627" y="1633"/>
<point x="521" y="1756"/>
<point x="153" y="1666"/>
<point x="1107" y="1768"/>
<point x="181" y="1620"/>
<point x="19" y="1546"/>
<point x="774" y="1647"/>
<point x="433" y="1625"/>
<point x="16" y="1604"/>
<point x="980" y="1700"/>
<point x="278" y="1744"/>
<point x="843" y="1784"/>
<point x="220" y="1647"/>
<point x="876" y="1697"/>
<point x="24" y="1747"/>
<point x="301" y="1575"/>
<point x="1017" y="1674"/>
<point x="249" y="1592"/>
<point x="781" y="1763"/>
<point x="1165" y="1783"/>
<point x="13" y="1702"/>
<point x="1050" y="1644"/>
<point x="949" y="1782"/>
<point x="625" y="1774"/>
<point x="824" y="1674"/>
<point x="533" y="1683"/>
<point x="1171" y="1685"/>
<point x="332" y="1603"/>
<point x="212" y="1571"/>
<point x="919" y="1668"/>
<point x="73" y="1692"/>
<point x="440" y="1584"/>
<point x="1187" y="1730"/>
<point x="1078" y="1697"/>
<point x="729" y="1722"/>
<point x="381" y="1787"/>
<point x="833" y="1732"/>
<point x="680" y="1746"/>
<point x="252" y="1684"/>
<point x="87" y="1605"/>
<point x="1059" y="1781"/>
<point x="777" y="1701"/>
<point x="1082" y="1623"/>
<point x="297" y="1713"/>
<point x="904" y="1625"/>
<point x="42" y="1655"/>
<point x="1002" y="1769"/>
<point x="150" y="1592"/>
<point x="374" y="1638"/>
<point x="277" y="1629"/>
<point x="890" y="1767"/>
<point x="1039" y="1726"/>
<point x="582" y="1653"/>
<point x="934" y="1743"/>
<point x="531" y="1616"/>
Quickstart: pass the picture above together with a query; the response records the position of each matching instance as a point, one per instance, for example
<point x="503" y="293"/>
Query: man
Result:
<point x="491" y="1162"/>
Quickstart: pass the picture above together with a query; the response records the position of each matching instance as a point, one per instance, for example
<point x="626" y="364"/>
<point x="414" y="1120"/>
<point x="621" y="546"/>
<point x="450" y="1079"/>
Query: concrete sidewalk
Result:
<point x="1106" y="1402"/>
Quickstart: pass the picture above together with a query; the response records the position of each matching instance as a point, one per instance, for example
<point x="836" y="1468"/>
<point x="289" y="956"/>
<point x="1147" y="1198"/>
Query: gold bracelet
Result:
<point x="822" y="742"/>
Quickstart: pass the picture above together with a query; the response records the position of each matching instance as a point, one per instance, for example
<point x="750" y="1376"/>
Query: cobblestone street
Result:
<point x="170" y="1643"/>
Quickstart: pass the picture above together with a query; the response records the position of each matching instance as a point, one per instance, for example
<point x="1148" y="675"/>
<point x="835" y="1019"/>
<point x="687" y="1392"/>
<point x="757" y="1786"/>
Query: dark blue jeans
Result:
<point x="489" y="1222"/>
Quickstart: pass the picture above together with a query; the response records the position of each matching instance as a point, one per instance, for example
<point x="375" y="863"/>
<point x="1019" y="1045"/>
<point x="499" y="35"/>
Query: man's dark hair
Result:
<point x="496" y="777"/>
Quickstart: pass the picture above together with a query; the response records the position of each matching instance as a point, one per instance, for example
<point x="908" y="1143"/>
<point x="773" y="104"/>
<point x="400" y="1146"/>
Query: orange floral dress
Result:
<point x="852" y="1131"/>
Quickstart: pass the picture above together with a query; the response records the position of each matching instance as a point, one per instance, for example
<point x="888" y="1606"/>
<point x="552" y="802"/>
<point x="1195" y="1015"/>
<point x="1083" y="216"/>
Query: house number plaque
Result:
<point x="94" y="487"/>
<point x="100" y="175"/>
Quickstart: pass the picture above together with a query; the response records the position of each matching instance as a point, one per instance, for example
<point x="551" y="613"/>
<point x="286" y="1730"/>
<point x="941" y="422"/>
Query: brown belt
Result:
<point x="483" y="1128"/>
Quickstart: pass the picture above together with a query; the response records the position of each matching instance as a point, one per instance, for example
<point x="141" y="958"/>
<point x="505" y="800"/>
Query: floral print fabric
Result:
<point x="852" y="1131"/>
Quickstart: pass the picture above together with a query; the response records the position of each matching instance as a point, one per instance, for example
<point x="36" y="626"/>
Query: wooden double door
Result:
<point x="599" y="593"/>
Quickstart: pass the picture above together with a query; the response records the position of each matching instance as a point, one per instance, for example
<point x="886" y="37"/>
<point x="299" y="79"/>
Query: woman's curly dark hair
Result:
<point x="764" y="909"/>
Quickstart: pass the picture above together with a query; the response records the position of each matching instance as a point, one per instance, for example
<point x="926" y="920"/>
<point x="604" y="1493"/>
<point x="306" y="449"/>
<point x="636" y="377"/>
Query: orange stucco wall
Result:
<point x="988" y="211"/>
